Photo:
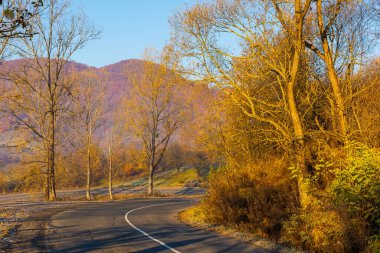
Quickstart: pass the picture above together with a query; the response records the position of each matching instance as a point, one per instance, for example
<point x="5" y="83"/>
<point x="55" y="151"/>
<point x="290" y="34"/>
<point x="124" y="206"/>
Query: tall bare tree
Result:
<point x="117" y="138"/>
<point x="91" y="109"/>
<point x="155" y="112"/>
<point x="42" y="85"/>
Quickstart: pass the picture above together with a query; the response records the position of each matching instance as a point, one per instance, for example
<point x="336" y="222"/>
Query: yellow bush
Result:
<point x="257" y="197"/>
<point x="316" y="230"/>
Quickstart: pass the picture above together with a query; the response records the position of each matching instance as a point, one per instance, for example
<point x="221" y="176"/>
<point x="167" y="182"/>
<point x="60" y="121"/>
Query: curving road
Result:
<point x="141" y="225"/>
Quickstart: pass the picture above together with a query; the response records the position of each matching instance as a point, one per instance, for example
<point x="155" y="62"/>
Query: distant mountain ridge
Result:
<point x="117" y="80"/>
<point x="118" y="87"/>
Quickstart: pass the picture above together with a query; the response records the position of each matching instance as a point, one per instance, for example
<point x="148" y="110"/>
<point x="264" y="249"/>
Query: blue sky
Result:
<point x="129" y="26"/>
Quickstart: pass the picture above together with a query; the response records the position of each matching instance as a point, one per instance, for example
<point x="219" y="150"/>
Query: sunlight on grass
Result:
<point x="180" y="179"/>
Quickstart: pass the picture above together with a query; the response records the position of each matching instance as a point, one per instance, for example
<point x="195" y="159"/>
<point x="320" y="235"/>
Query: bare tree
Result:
<point x="15" y="24"/>
<point x="90" y="111"/>
<point x="15" y="20"/>
<point x="42" y="85"/>
<point x="259" y="70"/>
<point x="341" y="34"/>
<point x="116" y="139"/>
<point x="155" y="111"/>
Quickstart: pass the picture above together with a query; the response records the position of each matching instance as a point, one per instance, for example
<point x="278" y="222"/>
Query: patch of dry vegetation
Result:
<point x="4" y="223"/>
<point x="196" y="217"/>
<point x="252" y="197"/>
<point x="10" y="220"/>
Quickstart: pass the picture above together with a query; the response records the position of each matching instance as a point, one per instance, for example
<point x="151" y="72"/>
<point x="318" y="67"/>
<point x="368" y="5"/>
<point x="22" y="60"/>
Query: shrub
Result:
<point x="358" y="185"/>
<point x="345" y="214"/>
<point x="356" y="188"/>
<point x="324" y="230"/>
<point x="253" y="197"/>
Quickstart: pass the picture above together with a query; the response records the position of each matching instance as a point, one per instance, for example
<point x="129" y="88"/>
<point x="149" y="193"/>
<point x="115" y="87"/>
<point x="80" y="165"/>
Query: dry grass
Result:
<point x="9" y="221"/>
<point x="196" y="217"/>
<point x="252" y="197"/>
<point x="4" y="224"/>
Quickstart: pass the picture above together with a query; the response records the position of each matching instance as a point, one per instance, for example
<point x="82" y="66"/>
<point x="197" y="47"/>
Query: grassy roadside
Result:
<point x="172" y="178"/>
<point x="195" y="217"/>
<point x="166" y="178"/>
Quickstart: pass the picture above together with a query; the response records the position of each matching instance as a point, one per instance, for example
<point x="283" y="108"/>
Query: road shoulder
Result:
<point x="30" y="234"/>
<point x="188" y="218"/>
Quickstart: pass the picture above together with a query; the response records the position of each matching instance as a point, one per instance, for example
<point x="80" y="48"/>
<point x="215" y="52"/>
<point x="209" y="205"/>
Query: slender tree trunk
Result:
<point x="331" y="72"/>
<point x="88" y="184"/>
<point x="47" y="187"/>
<point x="152" y="158"/>
<point x="298" y="150"/>
<point x="51" y="152"/>
<point x="298" y="132"/>
<point x="303" y="189"/>
<point x="150" y="182"/>
<point x="110" y="169"/>
<point x="338" y="97"/>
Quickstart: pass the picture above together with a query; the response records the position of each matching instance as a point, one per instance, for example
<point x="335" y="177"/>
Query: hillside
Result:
<point x="118" y="86"/>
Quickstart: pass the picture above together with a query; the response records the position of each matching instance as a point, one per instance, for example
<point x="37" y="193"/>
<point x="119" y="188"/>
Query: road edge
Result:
<point x="32" y="232"/>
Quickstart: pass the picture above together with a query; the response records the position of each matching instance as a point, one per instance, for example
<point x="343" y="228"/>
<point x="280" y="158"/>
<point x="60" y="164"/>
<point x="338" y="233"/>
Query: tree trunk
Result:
<point x="338" y="97"/>
<point x="53" y="191"/>
<point x="110" y="170"/>
<point x="150" y="182"/>
<point x="88" y="183"/>
<point x="47" y="187"/>
<point x="298" y="132"/>
<point x="331" y="72"/>
<point x="299" y="151"/>
<point x="303" y="190"/>
<point x="152" y="156"/>
<point x="51" y="153"/>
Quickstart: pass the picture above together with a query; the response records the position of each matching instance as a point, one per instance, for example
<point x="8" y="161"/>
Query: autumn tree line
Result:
<point x="296" y="123"/>
<point x="66" y="125"/>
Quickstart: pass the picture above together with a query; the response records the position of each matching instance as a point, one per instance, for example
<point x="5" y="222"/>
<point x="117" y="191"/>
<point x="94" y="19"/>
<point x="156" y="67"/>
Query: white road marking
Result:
<point x="145" y="233"/>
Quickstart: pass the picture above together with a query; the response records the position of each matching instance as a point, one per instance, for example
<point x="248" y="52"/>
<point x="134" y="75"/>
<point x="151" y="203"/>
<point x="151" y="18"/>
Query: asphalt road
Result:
<point x="141" y="225"/>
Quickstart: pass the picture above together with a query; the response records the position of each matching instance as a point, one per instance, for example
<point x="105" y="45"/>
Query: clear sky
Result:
<point x="129" y="26"/>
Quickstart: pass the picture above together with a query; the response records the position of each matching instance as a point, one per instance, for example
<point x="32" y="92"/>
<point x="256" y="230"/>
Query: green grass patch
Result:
<point x="177" y="179"/>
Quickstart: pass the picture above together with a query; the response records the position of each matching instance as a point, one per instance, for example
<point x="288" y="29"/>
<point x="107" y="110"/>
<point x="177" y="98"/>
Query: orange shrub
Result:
<point x="257" y="197"/>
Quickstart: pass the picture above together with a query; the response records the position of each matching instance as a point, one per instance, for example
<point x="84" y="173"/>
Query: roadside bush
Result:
<point x="356" y="189"/>
<point x="358" y="185"/>
<point x="324" y="230"/>
<point x="345" y="216"/>
<point x="253" y="197"/>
